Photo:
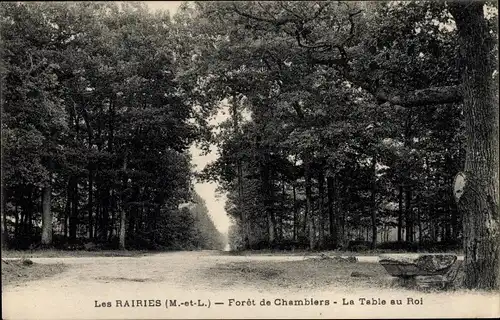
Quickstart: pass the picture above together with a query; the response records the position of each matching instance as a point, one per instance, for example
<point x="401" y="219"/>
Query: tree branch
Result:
<point x="428" y="96"/>
<point x="298" y="110"/>
<point x="274" y="22"/>
<point x="351" y="26"/>
<point x="436" y="95"/>
<point x="323" y="46"/>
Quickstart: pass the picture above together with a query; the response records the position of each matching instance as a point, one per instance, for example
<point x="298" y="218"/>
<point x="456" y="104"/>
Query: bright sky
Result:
<point x="215" y="203"/>
<point x="171" y="6"/>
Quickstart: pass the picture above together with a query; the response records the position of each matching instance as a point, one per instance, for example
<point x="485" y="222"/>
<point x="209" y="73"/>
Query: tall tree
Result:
<point x="405" y="55"/>
<point x="480" y="201"/>
<point x="96" y="126"/>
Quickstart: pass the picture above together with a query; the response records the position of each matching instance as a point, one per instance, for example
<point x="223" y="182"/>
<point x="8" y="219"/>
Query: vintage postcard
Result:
<point x="240" y="160"/>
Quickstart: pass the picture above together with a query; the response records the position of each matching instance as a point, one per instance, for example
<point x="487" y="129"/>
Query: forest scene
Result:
<point x="335" y="126"/>
<point x="96" y="130"/>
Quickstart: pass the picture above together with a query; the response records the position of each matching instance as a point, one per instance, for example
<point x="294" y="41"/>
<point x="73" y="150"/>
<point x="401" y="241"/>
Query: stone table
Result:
<point x="421" y="271"/>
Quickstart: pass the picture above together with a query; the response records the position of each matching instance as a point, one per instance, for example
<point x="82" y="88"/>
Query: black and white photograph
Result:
<point x="249" y="159"/>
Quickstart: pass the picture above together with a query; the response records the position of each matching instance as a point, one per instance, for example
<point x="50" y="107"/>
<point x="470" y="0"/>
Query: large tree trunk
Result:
<point x="321" y="191"/>
<point x="123" y="217"/>
<point x="282" y="212"/>
<point x="480" y="200"/>
<point x="17" y="222"/>
<point x="266" y="187"/>
<point x="27" y="210"/>
<point x="295" y="227"/>
<point x="409" y="214"/>
<point x="113" y="218"/>
<point x="104" y="223"/>
<point x="400" y="214"/>
<point x="269" y="214"/>
<point x="5" y="230"/>
<point x="122" y="229"/>
<point x="46" y="215"/>
<point x="243" y="217"/>
<point x="374" y="204"/>
<point x="272" y="201"/>
<point x="419" y="219"/>
<point x="74" y="209"/>
<point x="90" y="202"/>
<point x="309" y="215"/>
<point x="67" y="208"/>
<point x="267" y="193"/>
<point x="331" y="215"/>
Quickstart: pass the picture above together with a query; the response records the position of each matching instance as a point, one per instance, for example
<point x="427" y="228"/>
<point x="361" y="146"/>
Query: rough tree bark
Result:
<point x="280" y="216"/>
<point x="321" y="191"/>
<point x="374" y="204"/>
<point x="295" y="227"/>
<point x="266" y="187"/>
<point x="46" y="216"/>
<point x="409" y="214"/>
<point x="90" y="203"/>
<point x="270" y="205"/>
<point x="400" y="214"/>
<point x="243" y="217"/>
<point x="331" y="215"/>
<point x="479" y="203"/>
<point x="123" y="214"/>
<point x="5" y="230"/>
<point x="480" y="200"/>
<point x="46" y="208"/>
<point x="74" y="209"/>
<point x="67" y="209"/>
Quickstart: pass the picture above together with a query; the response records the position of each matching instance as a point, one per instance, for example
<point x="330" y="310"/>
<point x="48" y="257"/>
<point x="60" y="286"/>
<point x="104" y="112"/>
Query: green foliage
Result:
<point x="102" y="101"/>
<point x="93" y="105"/>
<point x="301" y="81"/>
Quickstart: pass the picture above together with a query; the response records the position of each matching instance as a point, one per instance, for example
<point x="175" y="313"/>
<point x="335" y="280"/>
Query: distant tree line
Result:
<point x="346" y="120"/>
<point x="96" y="128"/>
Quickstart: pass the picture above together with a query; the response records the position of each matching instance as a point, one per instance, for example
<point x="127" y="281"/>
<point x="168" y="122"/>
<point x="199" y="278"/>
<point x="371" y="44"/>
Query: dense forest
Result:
<point x="96" y="127"/>
<point x="348" y="121"/>
<point x="310" y="159"/>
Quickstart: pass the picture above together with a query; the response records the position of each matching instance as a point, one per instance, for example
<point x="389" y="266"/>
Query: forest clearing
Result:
<point x="214" y="275"/>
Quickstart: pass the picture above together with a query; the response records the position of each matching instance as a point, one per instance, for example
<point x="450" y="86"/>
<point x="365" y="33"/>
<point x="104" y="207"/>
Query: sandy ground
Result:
<point x="88" y="283"/>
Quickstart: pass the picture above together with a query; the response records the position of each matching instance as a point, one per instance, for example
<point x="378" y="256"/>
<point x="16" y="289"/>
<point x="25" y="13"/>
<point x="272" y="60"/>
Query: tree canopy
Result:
<point x="95" y="116"/>
<point x="348" y="120"/>
<point x="347" y="123"/>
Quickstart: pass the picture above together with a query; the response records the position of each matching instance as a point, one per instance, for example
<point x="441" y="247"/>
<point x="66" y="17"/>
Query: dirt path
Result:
<point x="89" y="282"/>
